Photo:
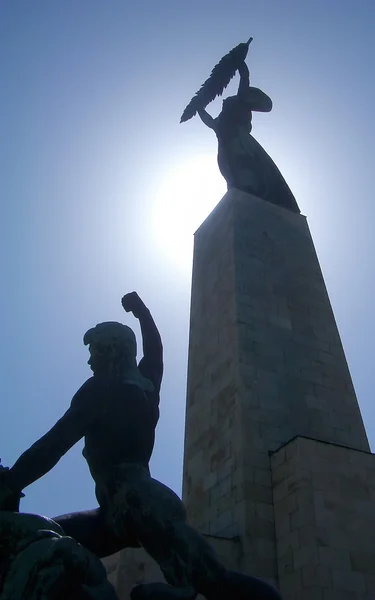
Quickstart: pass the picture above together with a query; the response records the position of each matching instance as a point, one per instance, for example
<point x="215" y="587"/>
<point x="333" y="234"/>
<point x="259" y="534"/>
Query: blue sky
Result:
<point x="102" y="188"/>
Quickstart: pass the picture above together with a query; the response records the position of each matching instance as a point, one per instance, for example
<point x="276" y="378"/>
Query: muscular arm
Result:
<point x="42" y="456"/>
<point x="206" y="118"/>
<point x="152" y="347"/>
<point x="151" y="365"/>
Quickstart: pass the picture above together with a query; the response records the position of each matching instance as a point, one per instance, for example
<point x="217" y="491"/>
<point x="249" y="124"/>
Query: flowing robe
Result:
<point x="243" y="162"/>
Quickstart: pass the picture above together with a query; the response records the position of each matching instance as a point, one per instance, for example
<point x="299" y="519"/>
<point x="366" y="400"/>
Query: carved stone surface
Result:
<point x="265" y="364"/>
<point x="324" y="503"/>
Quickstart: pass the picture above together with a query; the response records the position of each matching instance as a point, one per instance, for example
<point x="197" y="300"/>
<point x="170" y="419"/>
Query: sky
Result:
<point x="102" y="188"/>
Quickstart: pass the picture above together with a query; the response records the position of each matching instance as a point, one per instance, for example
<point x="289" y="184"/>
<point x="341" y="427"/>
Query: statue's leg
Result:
<point x="159" y="518"/>
<point x="90" y="529"/>
<point x="187" y="561"/>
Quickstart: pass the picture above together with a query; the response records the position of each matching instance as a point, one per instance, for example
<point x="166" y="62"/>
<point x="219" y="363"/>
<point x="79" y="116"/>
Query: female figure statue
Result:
<point x="242" y="161"/>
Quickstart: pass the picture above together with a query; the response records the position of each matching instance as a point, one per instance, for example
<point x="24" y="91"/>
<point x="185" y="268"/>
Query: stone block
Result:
<point x="329" y="594"/>
<point x="334" y="558"/>
<point x="222" y="521"/>
<point x="301" y="517"/>
<point x="282" y="527"/>
<point x="260" y="529"/>
<point x="223" y="504"/>
<point x="286" y="506"/>
<point x="289" y="541"/>
<point x="350" y="581"/>
<point x="265" y="548"/>
<point x="221" y="488"/>
<point x="280" y="321"/>
<point x="306" y="556"/>
<point x="264" y="511"/>
<point x="265" y="365"/>
<point x="314" y="575"/>
<point x="286" y="563"/>
<point x="266" y="567"/>
<point x="312" y="593"/>
<point x="280" y="490"/>
<point x="278" y="458"/>
<point x="290" y="584"/>
<point x="258" y="493"/>
<point x="209" y="480"/>
<point x="363" y="561"/>
<point x="307" y="535"/>
<point x="262" y="476"/>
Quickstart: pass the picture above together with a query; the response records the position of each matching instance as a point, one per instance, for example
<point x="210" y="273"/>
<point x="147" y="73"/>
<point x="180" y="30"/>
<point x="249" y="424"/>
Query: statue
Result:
<point x="242" y="161"/>
<point x="117" y="411"/>
<point x="38" y="561"/>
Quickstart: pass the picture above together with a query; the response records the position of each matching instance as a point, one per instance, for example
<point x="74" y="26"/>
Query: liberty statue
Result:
<point x="242" y="161"/>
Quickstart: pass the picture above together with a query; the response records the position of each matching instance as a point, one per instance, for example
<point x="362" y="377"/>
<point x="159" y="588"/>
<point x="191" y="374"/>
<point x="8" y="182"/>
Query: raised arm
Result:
<point x="244" y="78"/>
<point x="42" y="456"/>
<point x="206" y="118"/>
<point x="152" y="361"/>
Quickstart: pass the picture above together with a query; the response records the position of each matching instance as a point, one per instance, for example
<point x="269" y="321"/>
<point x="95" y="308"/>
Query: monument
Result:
<point x="278" y="475"/>
<point x="242" y="161"/>
<point x="277" y="461"/>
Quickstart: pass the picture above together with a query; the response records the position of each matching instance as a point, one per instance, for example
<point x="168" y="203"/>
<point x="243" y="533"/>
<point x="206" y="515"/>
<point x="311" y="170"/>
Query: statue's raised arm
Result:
<point x="206" y="118"/>
<point x="244" y="84"/>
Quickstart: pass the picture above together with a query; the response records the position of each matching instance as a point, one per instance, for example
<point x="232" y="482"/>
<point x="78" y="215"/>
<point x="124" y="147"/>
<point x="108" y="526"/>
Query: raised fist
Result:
<point x="132" y="303"/>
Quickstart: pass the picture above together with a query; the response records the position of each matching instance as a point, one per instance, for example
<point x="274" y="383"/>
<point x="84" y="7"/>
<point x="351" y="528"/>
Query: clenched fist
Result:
<point x="132" y="303"/>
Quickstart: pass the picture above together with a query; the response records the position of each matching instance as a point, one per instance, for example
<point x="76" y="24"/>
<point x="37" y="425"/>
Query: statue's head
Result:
<point x="236" y="111"/>
<point x="112" y="347"/>
<point x="230" y="103"/>
<point x="256" y="100"/>
<point x="253" y="99"/>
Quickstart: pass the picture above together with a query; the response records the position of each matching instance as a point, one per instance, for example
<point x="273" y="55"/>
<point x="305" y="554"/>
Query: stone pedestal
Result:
<point x="277" y="469"/>
<point x="324" y="507"/>
<point x="266" y="364"/>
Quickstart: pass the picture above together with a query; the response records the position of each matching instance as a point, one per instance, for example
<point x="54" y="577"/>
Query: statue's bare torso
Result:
<point x="120" y="425"/>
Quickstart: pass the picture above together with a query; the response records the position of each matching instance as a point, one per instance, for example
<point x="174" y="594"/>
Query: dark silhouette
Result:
<point x="37" y="559"/>
<point x="242" y="161"/>
<point x="116" y="411"/>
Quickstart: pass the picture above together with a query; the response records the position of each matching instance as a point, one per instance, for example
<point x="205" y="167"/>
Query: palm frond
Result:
<point x="220" y="77"/>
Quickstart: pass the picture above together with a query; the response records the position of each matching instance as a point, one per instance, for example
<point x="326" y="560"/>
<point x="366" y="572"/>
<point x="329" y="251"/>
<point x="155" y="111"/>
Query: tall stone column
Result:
<point x="266" y="364"/>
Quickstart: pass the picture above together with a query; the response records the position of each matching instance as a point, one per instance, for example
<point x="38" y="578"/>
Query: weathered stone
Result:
<point x="335" y="546"/>
<point x="334" y="558"/>
<point x="266" y="365"/>
<point x="350" y="581"/>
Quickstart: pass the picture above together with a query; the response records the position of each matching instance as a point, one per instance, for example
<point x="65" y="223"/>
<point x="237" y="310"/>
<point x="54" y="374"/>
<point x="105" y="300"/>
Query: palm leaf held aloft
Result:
<point x="220" y="76"/>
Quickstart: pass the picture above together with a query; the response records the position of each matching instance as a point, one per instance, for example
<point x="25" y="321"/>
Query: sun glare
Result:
<point x="185" y="197"/>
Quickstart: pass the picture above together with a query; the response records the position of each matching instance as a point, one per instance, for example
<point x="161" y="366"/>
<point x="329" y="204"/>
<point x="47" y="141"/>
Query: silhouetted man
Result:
<point x="116" y="411"/>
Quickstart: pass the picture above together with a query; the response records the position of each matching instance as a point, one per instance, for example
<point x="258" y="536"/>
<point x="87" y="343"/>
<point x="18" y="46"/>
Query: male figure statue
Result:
<point x="116" y="411"/>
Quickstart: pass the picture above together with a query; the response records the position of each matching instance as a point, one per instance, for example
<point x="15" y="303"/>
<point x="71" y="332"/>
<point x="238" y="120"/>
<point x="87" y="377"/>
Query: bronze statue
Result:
<point x="37" y="559"/>
<point x="116" y="411"/>
<point x="242" y="161"/>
